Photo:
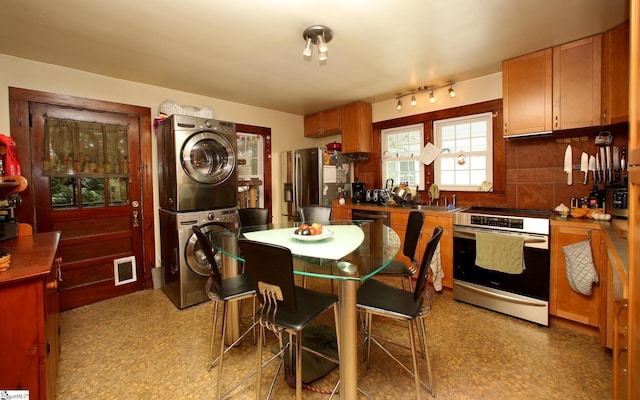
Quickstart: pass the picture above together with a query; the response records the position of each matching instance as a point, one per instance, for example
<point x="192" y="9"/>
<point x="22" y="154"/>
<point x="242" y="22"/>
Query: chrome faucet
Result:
<point x="453" y="200"/>
<point x="445" y="200"/>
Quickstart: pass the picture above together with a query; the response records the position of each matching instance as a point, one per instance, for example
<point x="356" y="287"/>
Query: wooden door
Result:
<point x="563" y="301"/>
<point x="615" y="75"/>
<point x="577" y="69"/>
<point x="87" y="186"/>
<point x="356" y="128"/>
<point x="527" y="91"/>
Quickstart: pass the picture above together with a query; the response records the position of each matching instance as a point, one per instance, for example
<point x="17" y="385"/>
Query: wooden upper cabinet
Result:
<point x="357" y="127"/>
<point x="527" y="90"/>
<point x="324" y="123"/>
<point x="615" y="75"/>
<point x="577" y="77"/>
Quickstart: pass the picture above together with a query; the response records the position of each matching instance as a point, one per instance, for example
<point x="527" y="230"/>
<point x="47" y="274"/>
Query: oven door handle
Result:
<point x="470" y="235"/>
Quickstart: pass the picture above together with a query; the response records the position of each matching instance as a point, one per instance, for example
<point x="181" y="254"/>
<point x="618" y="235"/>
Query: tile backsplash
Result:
<point x="534" y="167"/>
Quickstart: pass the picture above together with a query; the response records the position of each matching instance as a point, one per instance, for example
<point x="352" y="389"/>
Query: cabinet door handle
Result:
<point x="604" y="116"/>
<point x="556" y="121"/>
<point x="505" y="127"/>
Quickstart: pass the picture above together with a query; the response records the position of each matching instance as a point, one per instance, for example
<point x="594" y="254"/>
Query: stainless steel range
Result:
<point x="524" y="295"/>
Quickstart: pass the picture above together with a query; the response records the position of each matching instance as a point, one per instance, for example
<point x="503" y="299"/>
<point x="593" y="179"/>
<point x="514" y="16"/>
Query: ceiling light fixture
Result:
<point x="452" y="93"/>
<point x="318" y="35"/>
<point x="423" y="88"/>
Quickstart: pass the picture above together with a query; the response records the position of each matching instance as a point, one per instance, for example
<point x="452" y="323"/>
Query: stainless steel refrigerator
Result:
<point x="312" y="176"/>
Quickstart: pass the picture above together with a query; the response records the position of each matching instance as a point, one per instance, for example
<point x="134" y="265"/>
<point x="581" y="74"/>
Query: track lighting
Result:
<point x="430" y="89"/>
<point x="318" y="35"/>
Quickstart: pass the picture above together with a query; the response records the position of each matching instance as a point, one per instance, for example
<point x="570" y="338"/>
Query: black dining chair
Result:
<point x="398" y="268"/>
<point x="315" y="213"/>
<point x="253" y="216"/>
<point x="285" y="307"/>
<point x="378" y="298"/>
<point x="223" y="291"/>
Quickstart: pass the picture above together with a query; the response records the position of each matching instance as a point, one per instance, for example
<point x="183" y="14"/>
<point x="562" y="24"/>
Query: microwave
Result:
<point x="616" y="202"/>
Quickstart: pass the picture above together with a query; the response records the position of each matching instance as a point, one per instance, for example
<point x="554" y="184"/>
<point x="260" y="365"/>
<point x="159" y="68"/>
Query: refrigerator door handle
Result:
<point x="296" y="181"/>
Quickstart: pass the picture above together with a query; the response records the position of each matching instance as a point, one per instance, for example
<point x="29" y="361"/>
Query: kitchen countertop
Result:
<point x="409" y="208"/>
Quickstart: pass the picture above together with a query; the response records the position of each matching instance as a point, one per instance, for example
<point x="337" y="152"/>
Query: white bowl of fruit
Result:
<point x="311" y="233"/>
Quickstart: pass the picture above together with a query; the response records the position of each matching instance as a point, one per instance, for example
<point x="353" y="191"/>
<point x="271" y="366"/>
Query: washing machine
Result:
<point x="197" y="164"/>
<point x="185" y="267"/>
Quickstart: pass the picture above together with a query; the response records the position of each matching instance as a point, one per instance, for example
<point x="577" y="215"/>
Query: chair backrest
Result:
<point x="426" y="263"/>
<point x="411" y="237"/>
<point x="315" y="213"/>
<point x="273" y="265"/>
<point x="210" y="254"/>
<point x="253" y="216"/>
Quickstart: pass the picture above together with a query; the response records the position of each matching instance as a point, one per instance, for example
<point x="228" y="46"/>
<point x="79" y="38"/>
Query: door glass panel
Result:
<point x="92" y="192"/>
<point x="63" y="192"/>
<point x="88" y="157"/>
<point x="118" y="191"/>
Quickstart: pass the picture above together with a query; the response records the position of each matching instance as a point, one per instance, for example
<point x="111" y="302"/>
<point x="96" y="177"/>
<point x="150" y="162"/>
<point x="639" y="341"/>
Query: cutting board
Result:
<point x="621" y="226"/>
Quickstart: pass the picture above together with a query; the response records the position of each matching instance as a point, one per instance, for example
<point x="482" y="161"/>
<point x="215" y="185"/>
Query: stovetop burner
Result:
<point x="508" y="219"/>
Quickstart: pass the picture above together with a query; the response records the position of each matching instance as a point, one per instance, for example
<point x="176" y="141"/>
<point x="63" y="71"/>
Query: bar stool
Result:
<point x="378" y="298"/>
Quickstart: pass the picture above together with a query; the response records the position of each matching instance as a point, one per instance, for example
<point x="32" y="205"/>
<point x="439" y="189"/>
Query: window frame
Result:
<point x="486" y="117"/>
<point x="387" y="157"/>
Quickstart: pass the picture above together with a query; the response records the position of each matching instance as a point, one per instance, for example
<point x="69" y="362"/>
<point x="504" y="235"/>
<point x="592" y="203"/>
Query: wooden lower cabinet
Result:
<point x="30" y="334"/>
<point x="341" y="213"/>
<point x="563" y="301"/>
<point x="431" y="221"/>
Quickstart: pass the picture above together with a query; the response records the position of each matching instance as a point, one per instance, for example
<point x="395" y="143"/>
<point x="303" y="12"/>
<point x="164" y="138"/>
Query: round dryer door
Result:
<point x="196" y="260"/>
<point x="208" y="158"/>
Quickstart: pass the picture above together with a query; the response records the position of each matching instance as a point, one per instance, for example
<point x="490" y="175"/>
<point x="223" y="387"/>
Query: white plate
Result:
<point x="326" y="233"/>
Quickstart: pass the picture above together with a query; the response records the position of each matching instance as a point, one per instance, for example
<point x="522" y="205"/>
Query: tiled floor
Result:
<point x="140" y="346"/>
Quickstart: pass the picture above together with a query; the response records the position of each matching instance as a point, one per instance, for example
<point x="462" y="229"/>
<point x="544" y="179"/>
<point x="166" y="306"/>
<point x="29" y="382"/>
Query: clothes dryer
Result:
<point x="197" y="164"/>
<point x="185" y="266"/>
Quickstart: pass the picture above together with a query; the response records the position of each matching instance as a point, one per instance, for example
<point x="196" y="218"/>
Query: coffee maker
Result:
<point x="358" y="192"/>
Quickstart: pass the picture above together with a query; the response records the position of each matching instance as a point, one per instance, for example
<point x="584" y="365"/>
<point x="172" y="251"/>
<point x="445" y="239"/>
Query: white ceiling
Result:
<point x="250" y="51"/>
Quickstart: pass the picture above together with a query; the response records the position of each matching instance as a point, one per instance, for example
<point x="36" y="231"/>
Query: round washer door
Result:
<point x="196" y="260"/>
<point x="208" y="157"/>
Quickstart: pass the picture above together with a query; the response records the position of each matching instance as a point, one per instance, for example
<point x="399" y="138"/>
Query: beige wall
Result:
<point x="473" y="91"/>
<point x="286" y="128"/>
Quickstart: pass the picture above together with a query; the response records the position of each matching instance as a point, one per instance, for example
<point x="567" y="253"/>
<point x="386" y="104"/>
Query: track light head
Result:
<point x="432" y="99"/>
<point x="452" y="93"/>
<point x="308" y="50"/>
<point x="399" y="106"/>
<point x="413" y="100"/>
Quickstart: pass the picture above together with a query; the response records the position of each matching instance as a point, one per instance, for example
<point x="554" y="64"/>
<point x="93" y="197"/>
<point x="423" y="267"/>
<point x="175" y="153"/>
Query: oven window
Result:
<point x="533" y="282"/>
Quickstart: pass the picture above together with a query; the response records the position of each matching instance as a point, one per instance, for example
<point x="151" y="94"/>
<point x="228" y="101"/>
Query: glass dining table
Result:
<point x="348" y="252"/>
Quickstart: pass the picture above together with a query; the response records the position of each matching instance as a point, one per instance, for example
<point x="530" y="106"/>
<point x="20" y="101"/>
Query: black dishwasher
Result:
<point x="382" y="216"/>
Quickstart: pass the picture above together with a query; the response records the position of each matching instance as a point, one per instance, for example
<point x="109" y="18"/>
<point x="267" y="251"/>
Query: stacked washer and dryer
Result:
<point x="198" y="185"/>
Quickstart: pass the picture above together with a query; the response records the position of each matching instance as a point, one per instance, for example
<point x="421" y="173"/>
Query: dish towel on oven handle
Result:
<point x="580" y="270"/>
<point x="499" y="252"/>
